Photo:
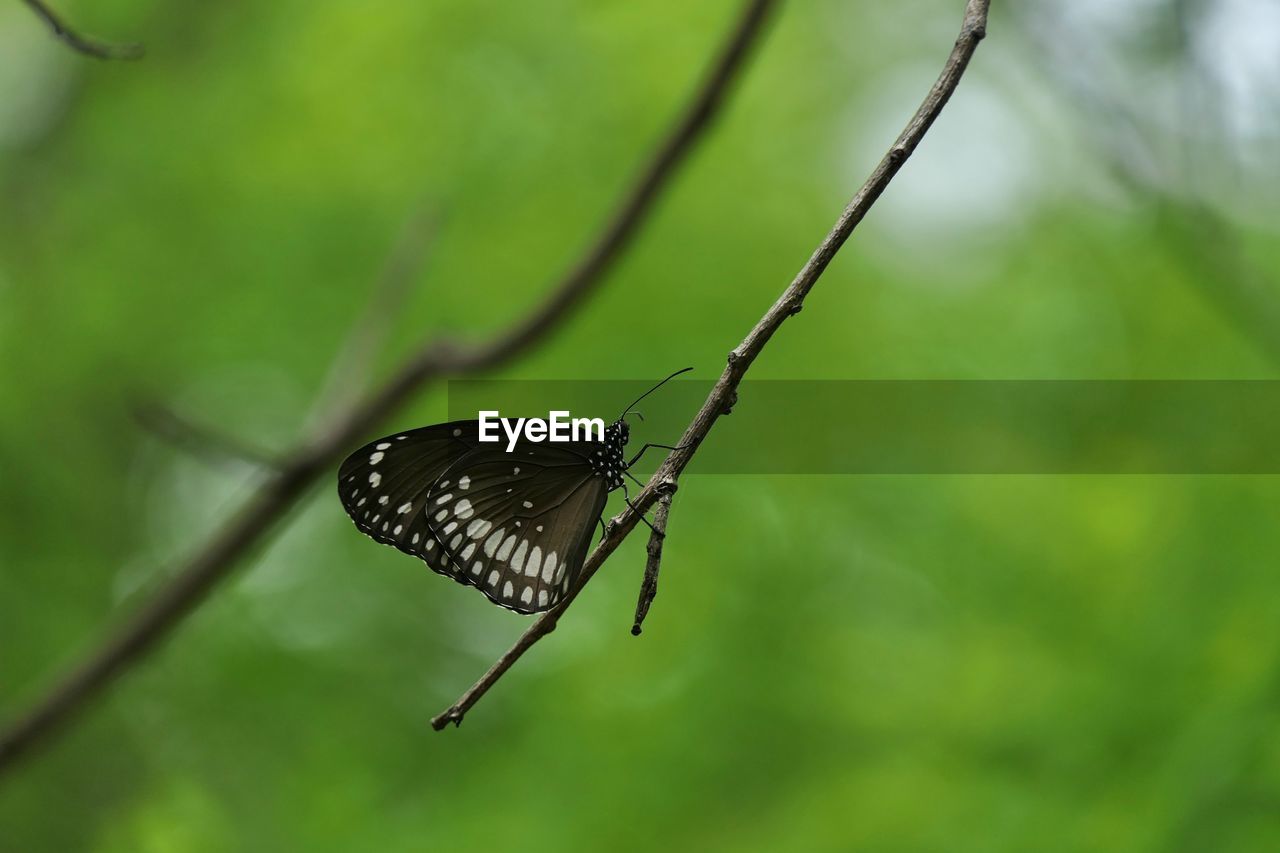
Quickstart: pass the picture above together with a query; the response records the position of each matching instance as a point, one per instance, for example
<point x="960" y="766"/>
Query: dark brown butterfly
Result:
<point x="515" y="524"/>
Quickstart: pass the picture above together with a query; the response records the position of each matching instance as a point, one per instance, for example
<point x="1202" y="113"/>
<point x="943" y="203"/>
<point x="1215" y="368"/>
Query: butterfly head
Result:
<point x="618" y="433"/>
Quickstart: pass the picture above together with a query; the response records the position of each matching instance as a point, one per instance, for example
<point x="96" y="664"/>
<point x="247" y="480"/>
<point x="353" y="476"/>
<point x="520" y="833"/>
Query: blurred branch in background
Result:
<point x="199" y="440"/>
<point x="350" y="372"/>
<point x="1181" y="185"/>
<point x="301" y="469"/>
<point x="1242" y="290"/>
<point x="80" y="43"/>
<point x="723" y="395"/>
<point x="353" y="366"/>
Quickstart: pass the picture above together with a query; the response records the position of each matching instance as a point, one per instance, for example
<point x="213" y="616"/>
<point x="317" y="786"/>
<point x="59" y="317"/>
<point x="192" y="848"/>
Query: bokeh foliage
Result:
<point x="880" y="663"/>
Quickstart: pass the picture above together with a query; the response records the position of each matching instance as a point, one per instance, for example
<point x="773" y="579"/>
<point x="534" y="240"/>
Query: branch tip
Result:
<point x="663" y="489"/>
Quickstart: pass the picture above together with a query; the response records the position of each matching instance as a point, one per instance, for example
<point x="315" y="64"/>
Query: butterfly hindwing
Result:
<point x="518" y="524"/>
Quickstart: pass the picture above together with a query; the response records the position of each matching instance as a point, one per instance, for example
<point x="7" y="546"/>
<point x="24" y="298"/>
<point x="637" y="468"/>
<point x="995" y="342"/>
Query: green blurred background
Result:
<point x="872" y="663"/>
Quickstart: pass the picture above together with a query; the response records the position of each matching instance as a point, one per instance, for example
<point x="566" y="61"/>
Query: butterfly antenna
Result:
<point x="651" y="390"/>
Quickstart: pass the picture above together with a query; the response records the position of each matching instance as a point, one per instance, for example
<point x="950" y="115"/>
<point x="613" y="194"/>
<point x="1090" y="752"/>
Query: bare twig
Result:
<point x="80" y="43"/>
<point x="199" y="440"/>
<point x="724" y="393"/>
<point x="657" y="536"/>
<point x="270" y="503"/>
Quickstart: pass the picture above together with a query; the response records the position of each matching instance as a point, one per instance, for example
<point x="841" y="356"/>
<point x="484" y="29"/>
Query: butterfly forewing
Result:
<point x="384" y="485"/>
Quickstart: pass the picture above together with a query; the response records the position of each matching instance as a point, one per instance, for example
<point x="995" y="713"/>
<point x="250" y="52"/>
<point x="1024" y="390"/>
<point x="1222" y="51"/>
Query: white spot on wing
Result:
<point x="548" y="567"/>
<point x="493" y="578"/>
<point x="405" y="507"/>
<point x="517" y="560"/>
<point x="442" y="515"/>
<point x="527" y="504"/>
<point x="478" y="528"/>
<point x="463" y="509"/>
<point x="491" y="544"/>
<point x="507" y="589"/>
<point x="444" y="499"/>
<point x="464" y="482"/>
<point x="375" y="479"/>
<point x="383" y="446"/>
<point x="505" y="550"/>
<point x="535" y="562"/>
<point x="542" y="598"/>
<point x="527" y="595"/>
<point x="375" y="458"/>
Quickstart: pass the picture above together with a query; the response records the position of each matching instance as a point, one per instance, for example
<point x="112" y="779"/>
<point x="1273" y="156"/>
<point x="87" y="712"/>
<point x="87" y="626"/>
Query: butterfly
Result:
<point x="515" y="524"/>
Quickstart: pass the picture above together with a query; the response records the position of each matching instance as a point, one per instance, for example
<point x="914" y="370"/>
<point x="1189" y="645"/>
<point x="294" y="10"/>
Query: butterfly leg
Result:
<point x="636" y="458"/>
<point x="641" y="514"/>
<point x="626" y="496"/>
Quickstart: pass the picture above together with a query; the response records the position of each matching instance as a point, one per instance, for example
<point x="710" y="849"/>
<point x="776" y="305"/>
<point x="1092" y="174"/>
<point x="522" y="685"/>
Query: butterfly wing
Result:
<point x="515" y="525"/>
<point x="518" y="524"/>
<point x="383" y="487"/>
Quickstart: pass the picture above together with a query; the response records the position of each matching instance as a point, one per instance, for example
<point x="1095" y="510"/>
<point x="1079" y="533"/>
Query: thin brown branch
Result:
<point x="81" y="43"/>
<point x="723" y="395"/>
<point x="657" y="536"/>
<point x="266" y="509"/>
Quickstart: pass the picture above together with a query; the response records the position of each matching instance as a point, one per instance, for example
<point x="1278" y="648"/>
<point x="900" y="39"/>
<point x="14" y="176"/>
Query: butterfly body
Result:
<point x="516" y="524"/>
